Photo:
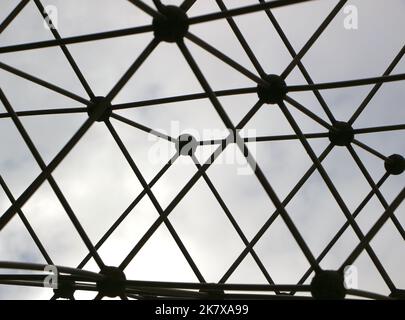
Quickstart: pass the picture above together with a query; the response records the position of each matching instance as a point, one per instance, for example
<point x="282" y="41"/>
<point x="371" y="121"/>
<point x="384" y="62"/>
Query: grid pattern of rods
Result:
<point x="84" y="280"/>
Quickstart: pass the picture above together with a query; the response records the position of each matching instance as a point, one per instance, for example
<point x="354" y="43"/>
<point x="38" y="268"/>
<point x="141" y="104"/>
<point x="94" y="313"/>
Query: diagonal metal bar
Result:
<point x="300" y="65"/>
<point x="174" y="203"/>
<point x="342" y="230"/>
<point x="23" y="198"/>
<point x="375" y="89"/>
<point x="252" y="162"/>
<point x="347" y="83"/>
<point x="187" y="4"/>
<point x="43" y="83"/>
<point x="62" y="199"/>
<point x="218" y="54"/>
<point x="145" y="8"/>
<point x="250" y="114"/>
<point x="13" y="14"/>
<point x="142" y="127"/>
<point x="307" y="112"/>
<point x="186" y="97"/>
<point x="233" y="222"/>
<point x="369" y="149"/>
<point x="275" y="214"/>
<point x="127" y="211"/>
<point x="242" y="40"/>
<point x="244" y="10"/>
<point x="65" y="50"/>
<point x="26" y="223"/>
<point x="336" y="194"/>
<point x="155" y="202"/>
<point x="76" y="39"/>
<point x="158" y="4"/>
<point x="132" y="69"/>
<point x="376" y="190"/>
<point x="313" y="39"/>
<point x="375" y="229"/>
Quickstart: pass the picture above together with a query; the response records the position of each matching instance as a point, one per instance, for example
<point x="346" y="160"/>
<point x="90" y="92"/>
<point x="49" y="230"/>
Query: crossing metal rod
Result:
<point x="300" y="65"/>
<point x="58" y="192"/>
<point x="65" y="50"/>
<point x="374" y="230"/>
<point x="242" y="146"/>
<point x="233" y="221"/>
<point x="298" y="57"/>
<point x="377" y="191"/>
<point x="26" y="223"/>
<point x="336" y="194"/>
<point x="127" y="211"/>
<point x="44" y="175"/>
<point x="155" y="202"/>
<point x="342" y="230"/>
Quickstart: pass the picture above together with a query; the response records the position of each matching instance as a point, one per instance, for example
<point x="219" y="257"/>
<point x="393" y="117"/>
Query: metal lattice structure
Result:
<point x="171" y="24"/>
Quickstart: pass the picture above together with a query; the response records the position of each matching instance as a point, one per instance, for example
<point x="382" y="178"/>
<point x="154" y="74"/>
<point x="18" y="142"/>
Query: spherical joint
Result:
<point x="65" y="290"/>
<point x="172" y="25"/>
<point x="275" y="90"/>
<point x="395" y="164"/>
<point x="186" y="145"/>
<point x="328" y="285"/>
<point x="341" y="134"/>
<point x="102" y="106"/>
<point x="113" y="283"/>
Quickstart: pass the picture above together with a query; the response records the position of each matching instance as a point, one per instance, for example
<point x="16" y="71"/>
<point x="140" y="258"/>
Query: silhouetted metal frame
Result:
<point x="85" y="280"/>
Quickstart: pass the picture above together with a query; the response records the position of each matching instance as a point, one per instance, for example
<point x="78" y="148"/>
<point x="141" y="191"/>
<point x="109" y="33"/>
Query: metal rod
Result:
<point x="252" y="162"/>
<point x="186" y="97"/>
<point x="342" y="230"/>
<point x="218" y="54"/>
<point x="41" y="163"/>
<point x="336" y="195"/>
<point x="375" y="229"/>
<point x="378" y="193"/>
<point x="244" y="10"/>
<point x="127" y="211"/>
<point x="242" y="40"/>
<point x="43" y="83"/>
<point x="233" y="221"/>
<point x="77" y="39"/>
<point x="132" y="69"/>
<point x="300" y="65"/>
<point x="142" y="127"/>
<point x="44" y="112"/>
<point x="155" y="202"/>
<point x="307" y="112"/>
<point x="13" y="14"/>
<point x="313" y="39"/>
<point x="375" y="89"/>
<point x="65" y="50"/>
<point x="26" y="223"/>
<point x="347" y="83"/>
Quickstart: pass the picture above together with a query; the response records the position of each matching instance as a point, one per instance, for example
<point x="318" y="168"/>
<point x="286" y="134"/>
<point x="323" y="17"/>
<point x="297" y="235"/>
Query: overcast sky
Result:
<point x="99" y="184"/>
